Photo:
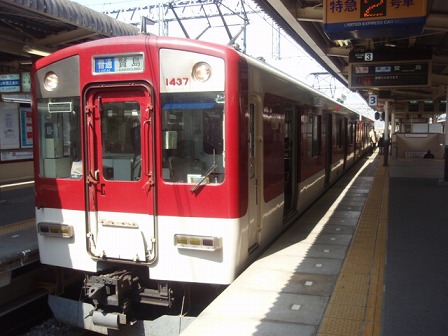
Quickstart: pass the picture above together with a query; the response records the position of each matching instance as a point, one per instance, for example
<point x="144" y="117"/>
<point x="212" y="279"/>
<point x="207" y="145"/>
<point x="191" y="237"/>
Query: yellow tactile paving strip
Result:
<point x="355" y="306"/>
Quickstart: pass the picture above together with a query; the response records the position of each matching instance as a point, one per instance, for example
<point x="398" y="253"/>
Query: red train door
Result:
<point x="120" y="196"/>
<point x="291" y="151"/>
<point x="255" y="162"/>
<point x="328" y="148"/>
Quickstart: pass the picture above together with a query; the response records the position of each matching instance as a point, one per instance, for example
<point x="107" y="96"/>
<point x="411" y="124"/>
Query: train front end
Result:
<point x="138" y="168"/>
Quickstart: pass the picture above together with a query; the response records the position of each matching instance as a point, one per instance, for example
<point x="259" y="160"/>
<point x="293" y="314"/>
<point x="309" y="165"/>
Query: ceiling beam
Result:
<point x="66" y="37"/>
<point x="436" y="22"/>
<point x="314" y="14"/>
<point x="338" y="52"/>
<point x="13" y="48"/>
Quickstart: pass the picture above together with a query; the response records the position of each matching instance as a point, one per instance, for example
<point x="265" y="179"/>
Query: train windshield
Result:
<point x="193" y="137"/>
<point x="59" y="137"/>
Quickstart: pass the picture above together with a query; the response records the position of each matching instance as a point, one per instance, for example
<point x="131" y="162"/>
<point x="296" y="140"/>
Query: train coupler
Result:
<point x="110" y="290"/>
<point x="162" y="296"/>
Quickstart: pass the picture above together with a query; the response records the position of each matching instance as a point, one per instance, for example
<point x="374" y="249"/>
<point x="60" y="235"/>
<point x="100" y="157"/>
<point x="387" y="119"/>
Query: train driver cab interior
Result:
<point x="193" y="137"/>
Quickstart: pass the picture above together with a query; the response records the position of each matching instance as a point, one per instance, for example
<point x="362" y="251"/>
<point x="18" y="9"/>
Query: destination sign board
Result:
<point x="389" y="68"/>
<point x="389" y="75"/>
<point x="373" y="18"/>
<point x="118" y="64"/>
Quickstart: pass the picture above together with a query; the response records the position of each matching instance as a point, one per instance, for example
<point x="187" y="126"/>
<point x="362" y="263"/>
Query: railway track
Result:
<point x="23" y="314"/>
<point x="22" y="303"/>
<point x="24" y="306"/>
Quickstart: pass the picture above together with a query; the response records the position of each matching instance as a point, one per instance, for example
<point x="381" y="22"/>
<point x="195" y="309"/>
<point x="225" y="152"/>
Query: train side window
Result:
<point x="313" y="135"/>
<point x="193" y="137"/>
<point x="339" y="133"/>
<point x="59" y="137"/>
<point x="351" y="133"/>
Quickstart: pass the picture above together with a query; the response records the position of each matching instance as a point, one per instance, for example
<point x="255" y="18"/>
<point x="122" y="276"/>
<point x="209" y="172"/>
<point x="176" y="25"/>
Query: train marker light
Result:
<point x="197" y="242"/>
<point x="51" y="81"/>
<point x="202" y="71"/>
<point x="55" y="230"/>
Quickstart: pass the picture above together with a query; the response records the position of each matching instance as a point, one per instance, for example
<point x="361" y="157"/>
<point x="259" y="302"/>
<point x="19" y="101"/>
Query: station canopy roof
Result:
<point x="304" y="21"/>
<point x="28" y="26"/>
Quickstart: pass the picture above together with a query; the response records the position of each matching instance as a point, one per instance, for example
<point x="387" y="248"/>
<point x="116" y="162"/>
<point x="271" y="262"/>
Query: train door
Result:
<point x="347" y="141"/>
<point x="255" y="163"/>
<point x="344" y="139"/>
<point x="329" y="148"/>
<point x="355" y="139"/>
<point x="119" y="199"/>
<point x="291" y="161"/>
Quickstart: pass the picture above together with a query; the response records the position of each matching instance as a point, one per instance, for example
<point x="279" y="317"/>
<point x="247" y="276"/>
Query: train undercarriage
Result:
<point x="128" y="301"/>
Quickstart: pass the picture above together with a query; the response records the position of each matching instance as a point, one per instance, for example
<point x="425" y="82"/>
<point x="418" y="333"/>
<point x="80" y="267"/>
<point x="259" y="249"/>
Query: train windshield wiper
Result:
<point x="202" y="179"/>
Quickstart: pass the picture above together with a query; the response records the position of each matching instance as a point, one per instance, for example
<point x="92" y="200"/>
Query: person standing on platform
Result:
<point x="372" y="136"/>
<point x="428" y="155"/>
<point x="381" y="144"/>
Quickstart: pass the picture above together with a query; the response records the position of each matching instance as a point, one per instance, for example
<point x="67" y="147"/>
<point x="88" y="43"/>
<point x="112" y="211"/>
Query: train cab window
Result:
<point x="59" y="138"/>
<point x="193" y="137"/>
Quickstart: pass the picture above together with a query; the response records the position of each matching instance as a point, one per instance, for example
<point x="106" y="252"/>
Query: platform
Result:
<point x="18" y="237"/>
<point x="17" y="249"/>
<point x="416" y="286"/>
<point x="16" y="202"/>
<point x="337" y="272"/>
<point x="368" y="258"/>
<point x="287" y="290"/>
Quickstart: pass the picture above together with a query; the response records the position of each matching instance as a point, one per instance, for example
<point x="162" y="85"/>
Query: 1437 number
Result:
<point x="176" y="81"/>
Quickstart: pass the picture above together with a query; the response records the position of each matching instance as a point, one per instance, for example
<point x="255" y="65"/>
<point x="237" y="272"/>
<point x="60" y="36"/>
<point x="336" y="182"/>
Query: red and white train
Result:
<point x="164" y="161"/>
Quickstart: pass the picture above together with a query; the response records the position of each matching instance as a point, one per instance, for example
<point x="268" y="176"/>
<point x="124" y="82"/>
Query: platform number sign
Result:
<point x="373" y="100"/>
<point x="368" y="57"/>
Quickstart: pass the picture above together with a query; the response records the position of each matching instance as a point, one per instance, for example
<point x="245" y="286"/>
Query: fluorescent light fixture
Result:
<point x="343" y="43"/>
<point x="40" y="51"/>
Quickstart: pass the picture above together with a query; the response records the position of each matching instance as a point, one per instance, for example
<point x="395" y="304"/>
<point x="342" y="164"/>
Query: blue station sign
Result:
<point x="9" y="83"/>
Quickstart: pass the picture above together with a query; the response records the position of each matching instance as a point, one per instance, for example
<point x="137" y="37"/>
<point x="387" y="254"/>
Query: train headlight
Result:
<point x="55" y="230"/>
<point x="51" y="81"/>
<point x="197" y="242"/>
<point x="202" y="71"/>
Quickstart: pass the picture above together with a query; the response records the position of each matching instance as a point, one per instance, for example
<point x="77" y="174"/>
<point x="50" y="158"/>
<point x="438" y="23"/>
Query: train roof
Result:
<point x="200" y="46"/>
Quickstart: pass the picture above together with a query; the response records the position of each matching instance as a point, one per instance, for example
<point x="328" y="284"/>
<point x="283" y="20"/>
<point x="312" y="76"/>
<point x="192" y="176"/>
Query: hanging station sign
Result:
<point x="389" y="69"/>
<point x="346" y="19"/>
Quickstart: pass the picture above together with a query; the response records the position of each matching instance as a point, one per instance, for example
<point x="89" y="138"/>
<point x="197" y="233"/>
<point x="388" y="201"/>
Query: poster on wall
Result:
<point x="26" y="128"/>
<point x="9" y="126"/>
<point x="16" y="155"/>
